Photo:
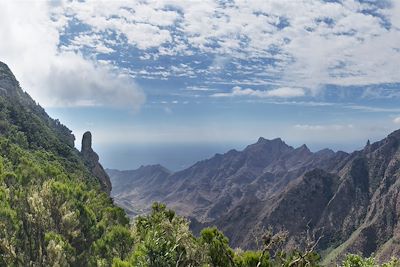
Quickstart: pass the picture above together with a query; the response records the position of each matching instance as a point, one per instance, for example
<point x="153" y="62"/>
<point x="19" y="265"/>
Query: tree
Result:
<point x="117" y="242"/>
<point x="217" y="245"/>
<point x="58" y="251"/>
<point x="353" y="260"/>
<point x="163" y="239"/>
<point x="251" y="259"/>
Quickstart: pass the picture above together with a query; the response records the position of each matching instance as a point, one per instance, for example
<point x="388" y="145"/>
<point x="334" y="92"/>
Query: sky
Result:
<point x="174" y="81"/>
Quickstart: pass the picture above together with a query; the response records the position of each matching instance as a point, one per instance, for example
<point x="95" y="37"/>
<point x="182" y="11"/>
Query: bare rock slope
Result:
<point x="351" y="201"/>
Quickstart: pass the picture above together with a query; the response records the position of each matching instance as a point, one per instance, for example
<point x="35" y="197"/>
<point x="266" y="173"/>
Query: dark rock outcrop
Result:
<point x="352" y="205"/>
<point x="8" y="84"/>
<point x="92" y="162"/>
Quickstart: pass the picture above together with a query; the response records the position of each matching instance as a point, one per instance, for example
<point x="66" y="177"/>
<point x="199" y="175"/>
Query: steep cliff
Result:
<point x="92" y="162"/>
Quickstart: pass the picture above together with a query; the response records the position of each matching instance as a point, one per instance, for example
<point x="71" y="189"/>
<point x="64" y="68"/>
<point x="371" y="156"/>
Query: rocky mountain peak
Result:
<point x="8" y="82"/>
<point x="272" y="147"/>
<point x="304" y="148"/>
<point x="153" y="168"/>
<point x="395" y="135"/>
<point x="86" y="148"/>
<point x="385" y="147"/>
<point x="326" y="152"/>
<point x="6" y="72"/>
<point x="92" y="161"/>
<point x="263" y="140"/>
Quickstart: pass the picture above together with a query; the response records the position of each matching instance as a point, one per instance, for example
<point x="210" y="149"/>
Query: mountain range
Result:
<point x="349" y="202"/>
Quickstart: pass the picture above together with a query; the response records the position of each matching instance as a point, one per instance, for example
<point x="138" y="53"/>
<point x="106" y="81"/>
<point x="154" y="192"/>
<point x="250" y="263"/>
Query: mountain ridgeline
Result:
<point x="349" y="202"/>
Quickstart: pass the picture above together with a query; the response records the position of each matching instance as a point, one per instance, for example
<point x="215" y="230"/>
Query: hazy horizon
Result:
<point x="178" y="156"/>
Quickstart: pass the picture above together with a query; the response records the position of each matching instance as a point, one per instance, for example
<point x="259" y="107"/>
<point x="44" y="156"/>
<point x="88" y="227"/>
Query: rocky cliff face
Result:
<point x="352" y="205"/>
<point x="351" y="201"/>
<point x="92" y="161"/>
<point x="8" y="84"/>
<point x="365" y="209"/>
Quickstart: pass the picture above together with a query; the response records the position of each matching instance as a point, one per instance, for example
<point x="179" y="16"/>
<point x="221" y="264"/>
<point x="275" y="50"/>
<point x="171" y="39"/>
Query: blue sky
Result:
<point x="191" y="76"/>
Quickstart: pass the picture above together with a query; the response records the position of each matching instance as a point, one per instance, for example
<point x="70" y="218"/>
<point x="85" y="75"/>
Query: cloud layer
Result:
<point x="293" y="43"/>
<point x="30" y="39"/>
<point x="283" y="92"/>
<point x="83" y="52"/>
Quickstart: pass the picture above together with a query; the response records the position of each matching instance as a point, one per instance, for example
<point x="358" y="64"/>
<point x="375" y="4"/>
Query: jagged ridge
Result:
<point x="351" y="200"/>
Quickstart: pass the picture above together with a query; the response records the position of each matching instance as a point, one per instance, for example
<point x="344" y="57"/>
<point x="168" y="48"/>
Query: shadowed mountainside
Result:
<point x="351" y="200"/>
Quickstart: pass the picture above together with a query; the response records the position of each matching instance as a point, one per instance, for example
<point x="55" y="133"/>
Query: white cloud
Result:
<point x="324" y="127"/>
<point x="372" y="109"/>
<point x="396" y="120"/>
<point x="94" y="41"/>
<point x="286" y="92"/>
<point x="285" y="44"/>
<point x="354" y="133"/>
<point x="29" y="45"/>
<point x="312" y="43"/>
<point x="144" y="35"/>
<point x="142" y="24"/>
<point x="76" y="82"/>
<point x="219" y="63"/>
<point x="283" y="92"/>
<point x="199" y="88"/>
<point x="380" y="93"/>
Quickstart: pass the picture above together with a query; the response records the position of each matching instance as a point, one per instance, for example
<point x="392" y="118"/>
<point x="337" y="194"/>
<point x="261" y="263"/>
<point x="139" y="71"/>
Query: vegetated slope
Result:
<point x="351" y="201"/>
<point x="26" y="123"/>
<point x="52" y="208"/>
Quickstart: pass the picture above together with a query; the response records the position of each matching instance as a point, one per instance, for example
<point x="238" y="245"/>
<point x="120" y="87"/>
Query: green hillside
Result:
<point x="51" y="207"/>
